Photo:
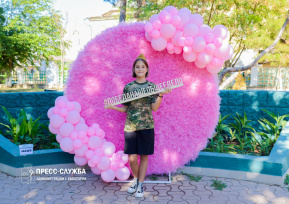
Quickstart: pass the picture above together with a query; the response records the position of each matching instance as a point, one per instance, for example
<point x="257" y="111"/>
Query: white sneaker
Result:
<point x="139" y="193"/>
<point x="133" y="186"/>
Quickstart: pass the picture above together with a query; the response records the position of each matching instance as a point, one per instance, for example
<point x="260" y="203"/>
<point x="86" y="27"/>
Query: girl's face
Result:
<point x="140" y="69"/>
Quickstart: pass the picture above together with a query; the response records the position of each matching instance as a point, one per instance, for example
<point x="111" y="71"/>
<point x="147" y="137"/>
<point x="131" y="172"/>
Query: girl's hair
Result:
<point x="146" y="64"/>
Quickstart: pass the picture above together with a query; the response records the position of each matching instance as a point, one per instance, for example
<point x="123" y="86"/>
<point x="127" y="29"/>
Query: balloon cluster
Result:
<point x="87" y="143"/>
<point x="180" y="31"/>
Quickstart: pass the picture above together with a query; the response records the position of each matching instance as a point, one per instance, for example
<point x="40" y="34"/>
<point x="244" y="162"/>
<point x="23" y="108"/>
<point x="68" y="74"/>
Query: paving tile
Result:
<point x="177" y="196"/>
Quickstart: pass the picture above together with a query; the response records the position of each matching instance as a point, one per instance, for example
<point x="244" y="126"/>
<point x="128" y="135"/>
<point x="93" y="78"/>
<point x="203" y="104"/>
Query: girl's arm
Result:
<point x="122" y="109"/>
<point x="157" y="104"/>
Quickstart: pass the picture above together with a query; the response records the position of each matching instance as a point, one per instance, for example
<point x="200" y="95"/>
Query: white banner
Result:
<point x="174" y="83"/>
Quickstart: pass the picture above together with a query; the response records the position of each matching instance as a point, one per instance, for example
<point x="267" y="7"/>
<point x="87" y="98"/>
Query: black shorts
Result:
<point x="139" y="142"/>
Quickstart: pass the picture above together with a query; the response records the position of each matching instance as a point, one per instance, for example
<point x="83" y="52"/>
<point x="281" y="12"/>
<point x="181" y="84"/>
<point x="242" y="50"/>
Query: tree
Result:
<point x="122" y="6"/>
<point x="253" y="24"/>
<point x="29" y="33"/>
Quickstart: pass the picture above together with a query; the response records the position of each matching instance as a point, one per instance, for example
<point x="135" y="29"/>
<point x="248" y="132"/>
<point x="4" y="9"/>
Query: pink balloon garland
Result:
<point x="87" y="143"/>
<point x="180" y="31"/>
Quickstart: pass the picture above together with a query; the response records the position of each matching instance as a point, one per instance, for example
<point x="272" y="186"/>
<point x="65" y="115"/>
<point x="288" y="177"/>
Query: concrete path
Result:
<point x="181" y="190"/>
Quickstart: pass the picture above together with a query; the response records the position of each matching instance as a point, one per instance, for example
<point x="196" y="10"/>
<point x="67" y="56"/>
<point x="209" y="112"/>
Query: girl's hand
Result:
<point x="109" y="106"/>
<point x="167" y="90"/>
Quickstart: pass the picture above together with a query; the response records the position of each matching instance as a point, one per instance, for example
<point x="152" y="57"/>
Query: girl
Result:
<point x="139" y="124"/>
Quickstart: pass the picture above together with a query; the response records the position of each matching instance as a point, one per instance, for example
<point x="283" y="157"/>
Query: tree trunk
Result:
<point x="267" y="50"/>
<point x="122" y="14"/>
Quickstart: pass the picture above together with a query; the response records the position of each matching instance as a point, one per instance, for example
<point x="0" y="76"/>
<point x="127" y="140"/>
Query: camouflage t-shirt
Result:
<point x="139" y="113"/>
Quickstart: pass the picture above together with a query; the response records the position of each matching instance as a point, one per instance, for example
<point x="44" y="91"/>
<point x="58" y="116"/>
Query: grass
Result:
<point x="286" y="181"/>
<point x="191" y="177"/>
<point x="218" y="185"/>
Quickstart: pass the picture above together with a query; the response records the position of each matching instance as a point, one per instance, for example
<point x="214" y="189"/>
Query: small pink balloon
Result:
<point x="175" y="38"/>
<point x="64" y="98"/>
<point x="159" y="44"/>
<point x="172" y="10"/>
<point x="223" y="51"/>
<point x="60" y="104"/>
<point x="104" y="163"/>
<point x="77" y="143"/>
<point x="187" y="49"/>
<point x="66" y="144"/>
<point x="50" y="113"/>
<point x="89" y="154"/>
<point x="73" y="135"/>
<point x="52" y="129"/>
<point x="80" y="161"/>
<point x="177" y="50"/>
<point x="81" y="134"/>
<point x="108" y="148"/>
<point x="149" y="27"/>
<point x="197" y="19"/>
<point x="165" y="16"/>
<point x="95" y="159"/>
<point x="167" y="31"/>
<point x="59" y="138"/>
<point x="148" y="36"/>
<point x="99" y="152"/>
<point x="63" y="112"/>
<point x="181" y="41"/>
<point x="154" y="18"/>
<point x="56" y="121"/>
<point x="171" y="52"/>
<point x="95" y="126"/>
<point x="90" y="131"/>
<point x="214" y="70"/>
<point x="157" y="24"/>
<point x="85" y="140"/>
<point x="176" y="20"/>
<point x="122" y="174"/>
<point x="191" y="30"/>
<point x="218" y="42"/>
<point x="77" y="106"/>
<point x="124" y="158"/>
<point x="210" y="48"/>
<point x="56" y="110"/>
<point x="94" y="142"/>
<point x="113" y="165"/>
<point x="204" y="29"/>
<point x="98" y="132"/>
<point x="204" y="58"/>
<point x="66" y="129"/>
<point x="231" y="52"/>
<point x="73" y="117"/>
<point x="209" y="37"/>
<point x="155" y="34"/>
<point x="216" y="62"/>
<point x="121" y="164"/>
<point x="81" y="151"/>
<point x="220" y="31"/>
<point x="199" y="44"/>
<point x="108" y="175"/>
<point x="184" y="20"/>
<point x="95" y="170"/>
<point x="170" y="46"/>
<point x="189" y="41"/>
<point x="200" y="64"/>
<point x="190" y="56"/>
<point x="185" y="11"/>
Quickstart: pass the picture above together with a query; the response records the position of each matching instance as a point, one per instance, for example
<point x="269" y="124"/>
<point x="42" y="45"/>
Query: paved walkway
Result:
<point x="181" y="190"/>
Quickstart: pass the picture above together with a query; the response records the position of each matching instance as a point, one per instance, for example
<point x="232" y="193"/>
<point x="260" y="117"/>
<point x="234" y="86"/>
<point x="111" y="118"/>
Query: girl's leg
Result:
<point x="133" y="164"/>
<point x="143" y="167"/>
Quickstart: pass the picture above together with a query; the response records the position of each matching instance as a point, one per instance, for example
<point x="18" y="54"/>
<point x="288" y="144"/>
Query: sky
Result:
<point x="78" y="31"/>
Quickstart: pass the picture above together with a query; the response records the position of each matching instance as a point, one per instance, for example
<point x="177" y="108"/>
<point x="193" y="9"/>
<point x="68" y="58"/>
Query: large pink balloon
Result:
<point x="122" y="174"/>
<point x="165" y="16"/>
<point x="96" y="171"/>
<point x="94" y="142"/>
<point x="154" y="18"/>
<point x="77" y="106"/>
<point x="73" y="117"/>
<point x="80" y="161"/>
<point x="53" y="129"/>
<point x="81" y="151"/>
<point x="172" y="10"/>
<point x="66" y="129"/>
<point x="149" y="27"/>
<point x="176" y="20"/>
<point x="199" y="44"/>
<point x="108" y="148"/>
<point x="148" y="37"/>
<point x="159" y="44"/>
<point x="223" y="51"/>
<point x="200" y="64"/>
<point x="66" y="144"/>
<point x="197" y="19"/>
<point x="213" y="69"/>
<point x="167" y="31"/>
<point x="210" y="48"/>
<point x="220" y="31"/>
<point x="60" y="103"/>
<point x="204" y="29"/>
<point x="56" y="120"/>
<point x="104" y="163"/>
<point x="190" y="57"/>
<point x="204" y="57"/>
<point x="184" y="20"/>
<point x="191" y="30"/>
<point x="108" y="175"/>
<point x="50" y="113"/>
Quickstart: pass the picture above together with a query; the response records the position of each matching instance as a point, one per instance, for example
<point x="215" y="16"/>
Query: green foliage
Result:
<point x="26" y="131"/>
<point x="286" y="181"/>
<point x="253" y="24"/>
<point x="243" y="138"/>
<point x="154" y="177"/>
<point x="30" y="31"/>
<point x="218" y="185"/>
<point x="191" y="177"/>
